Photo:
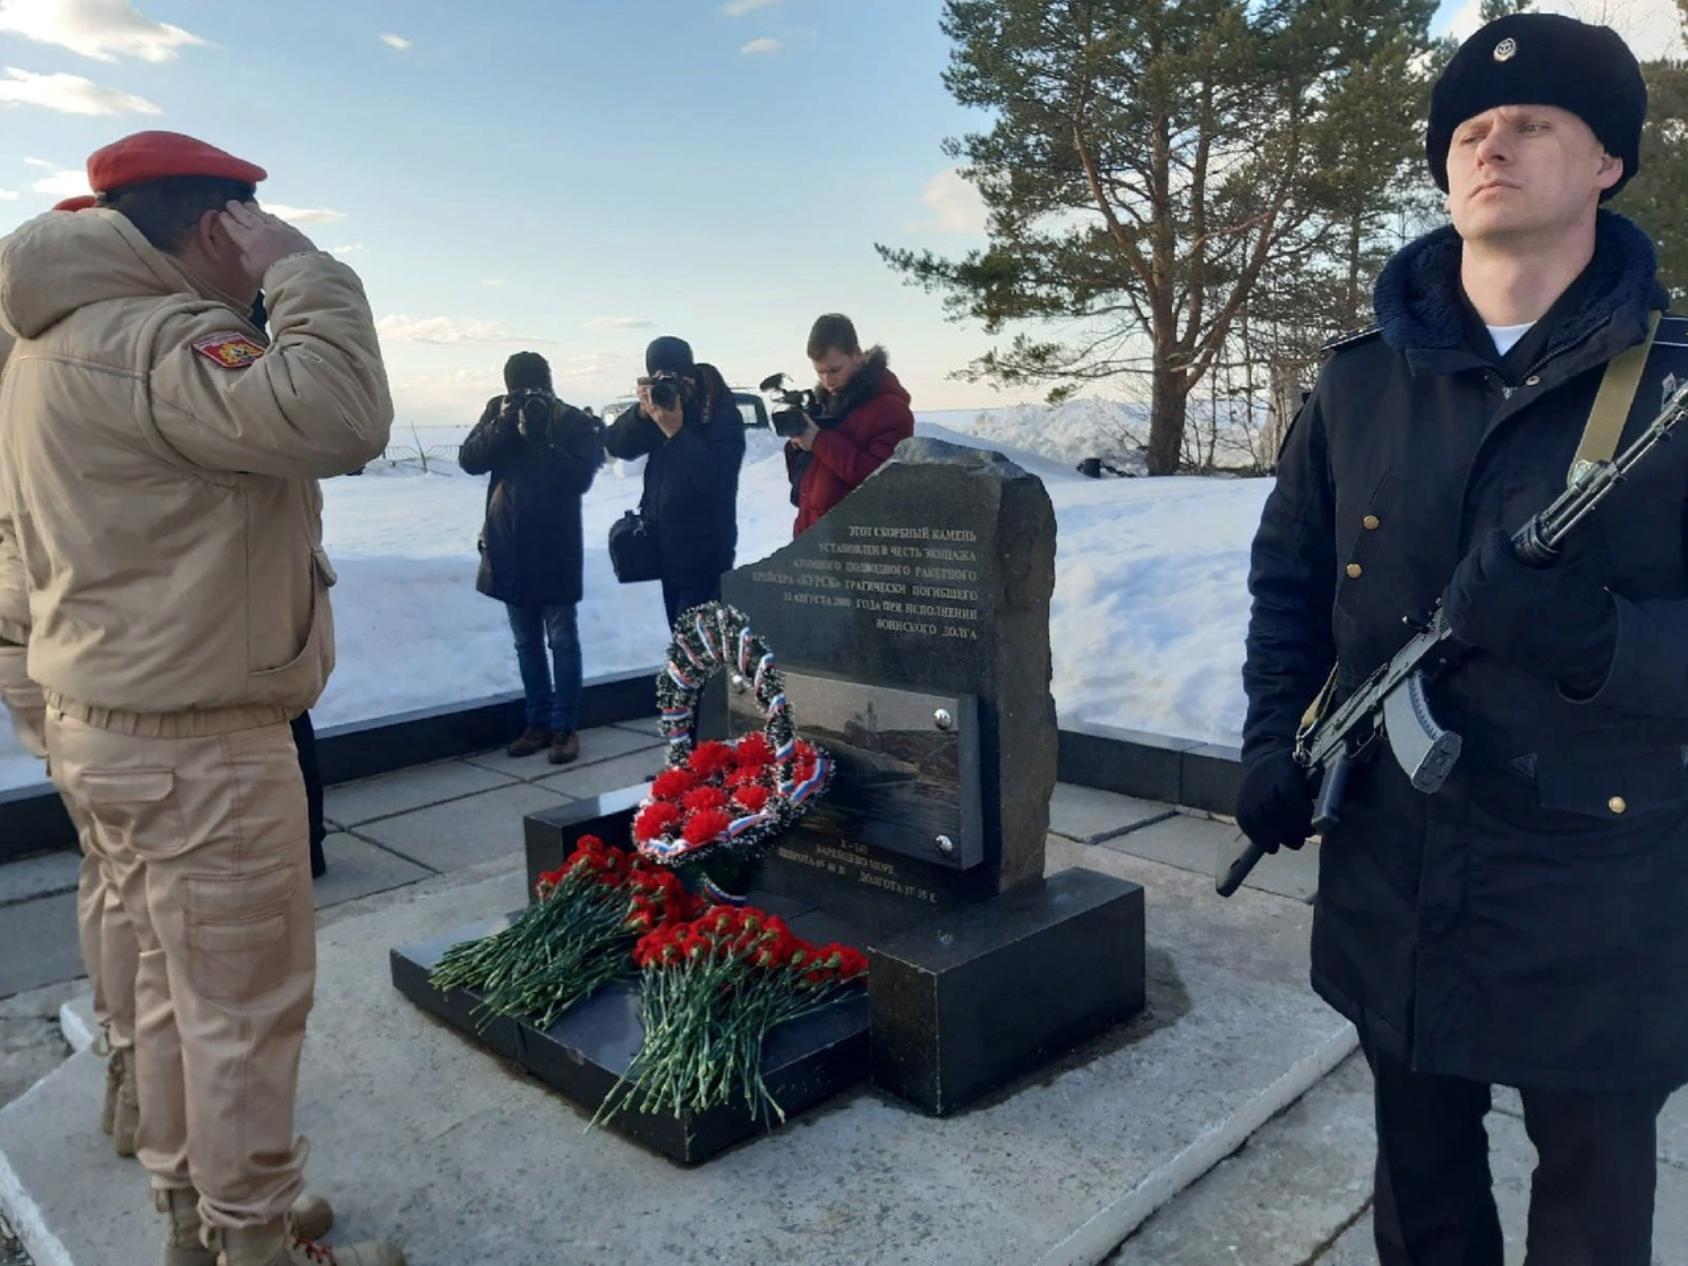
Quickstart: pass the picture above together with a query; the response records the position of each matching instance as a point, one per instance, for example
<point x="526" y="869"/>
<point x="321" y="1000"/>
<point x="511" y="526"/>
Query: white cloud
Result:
<point x="63" y="184"/>
<point x="39" y="162"/>
<point x="102" y="29"/>
<point x="767" y="44"/>
<point x="955" y="205"/>
<point x="8" y="195"/>
<point x="495" y="281"/>
<point x="397" y="41"/>
<point x="351" y="249"/>
<point x="448" y="330"/>
<point x="620" y="323"/>
<point x="738" y="8"/>
<point x="69" y="94"/>
<point x="304" y="215"/>
<point x="1652" y="28"/>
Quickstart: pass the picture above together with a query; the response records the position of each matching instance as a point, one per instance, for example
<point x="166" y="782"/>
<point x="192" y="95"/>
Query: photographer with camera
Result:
<point x="863" y="416"/>
<point x="688" y="428"/>
<point x="542" y="455"/>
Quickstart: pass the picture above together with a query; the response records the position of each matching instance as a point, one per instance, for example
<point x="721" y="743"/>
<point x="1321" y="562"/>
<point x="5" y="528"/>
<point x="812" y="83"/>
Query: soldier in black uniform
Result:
<point x="1528" y="924"/>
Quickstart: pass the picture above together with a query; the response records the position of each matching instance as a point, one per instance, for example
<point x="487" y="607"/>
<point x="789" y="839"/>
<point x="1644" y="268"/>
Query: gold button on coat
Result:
<point x="1617" y="804"/>
<point x="1371" y="523"/>
<point x="1354" y="571"/>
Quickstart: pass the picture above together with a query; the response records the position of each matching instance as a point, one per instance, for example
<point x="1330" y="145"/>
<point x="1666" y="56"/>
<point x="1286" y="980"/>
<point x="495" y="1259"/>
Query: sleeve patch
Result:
<point x="231" y="351"/>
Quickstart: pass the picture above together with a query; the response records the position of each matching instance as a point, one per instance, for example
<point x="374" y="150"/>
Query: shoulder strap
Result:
<point x="1611" y="403"/>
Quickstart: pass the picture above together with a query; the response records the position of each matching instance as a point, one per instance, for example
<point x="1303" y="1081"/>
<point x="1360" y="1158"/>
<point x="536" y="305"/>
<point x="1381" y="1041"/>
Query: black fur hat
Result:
<point x="1542" y="59"/>
<point x="527" y="371"/>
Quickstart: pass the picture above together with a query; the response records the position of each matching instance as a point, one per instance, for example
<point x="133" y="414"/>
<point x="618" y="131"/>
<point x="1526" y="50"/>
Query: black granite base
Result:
<point x="582" y="1056"/>
<point x="969" y="1000"/>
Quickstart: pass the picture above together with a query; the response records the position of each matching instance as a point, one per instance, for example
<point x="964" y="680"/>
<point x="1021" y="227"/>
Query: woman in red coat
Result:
<point x="864" y="414"/>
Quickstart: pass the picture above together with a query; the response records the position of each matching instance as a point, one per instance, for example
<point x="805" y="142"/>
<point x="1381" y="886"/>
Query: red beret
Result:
<point x="81" y="202"/>
<point x="148" y="156"/>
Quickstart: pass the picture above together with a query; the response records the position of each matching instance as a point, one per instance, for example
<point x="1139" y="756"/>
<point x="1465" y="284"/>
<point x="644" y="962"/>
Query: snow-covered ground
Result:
<point x="1147" y="621"/>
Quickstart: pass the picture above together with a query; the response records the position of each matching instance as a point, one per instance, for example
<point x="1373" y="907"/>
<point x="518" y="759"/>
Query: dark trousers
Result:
<point x="686" y="592"/>
<point x="1591" y="1198"/>
<point x="304" y="738"/>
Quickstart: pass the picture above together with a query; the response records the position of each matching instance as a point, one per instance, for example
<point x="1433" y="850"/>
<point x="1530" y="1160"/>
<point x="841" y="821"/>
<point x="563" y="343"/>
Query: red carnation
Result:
<point x="753" y="797"/>
<point x="705" y="826"/>
<point x="655" y="820"/>
<point x="710" y="759"/>
<point x="702" y="798"/>
<point x="671" y="784"/>
<point x="753" y="749"/>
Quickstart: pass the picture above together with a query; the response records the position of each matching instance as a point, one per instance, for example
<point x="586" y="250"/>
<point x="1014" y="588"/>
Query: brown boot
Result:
<point x="273" y="1245"/>
<point x="533" y="740"/>
<point x="182" y="1243"/>
<point x="126" y="1101"/>
<point x="565" y="747"/>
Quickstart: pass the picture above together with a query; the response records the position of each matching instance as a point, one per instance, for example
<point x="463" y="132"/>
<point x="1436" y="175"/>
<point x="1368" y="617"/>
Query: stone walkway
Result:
<point x="1096" y="1144"/>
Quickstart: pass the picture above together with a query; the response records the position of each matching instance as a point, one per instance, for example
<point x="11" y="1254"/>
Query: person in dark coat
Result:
<point x="1524" y="925"/>
<point x="864" y="414"/>
<point x="692" y="453"/>
<point x="542" y="455"/>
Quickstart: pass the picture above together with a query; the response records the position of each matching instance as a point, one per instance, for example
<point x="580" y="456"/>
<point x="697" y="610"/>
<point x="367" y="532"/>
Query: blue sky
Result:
<point x="574" y="176"/>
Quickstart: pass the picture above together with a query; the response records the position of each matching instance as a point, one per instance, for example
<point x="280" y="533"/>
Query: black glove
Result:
<point x="1274" y="803"/>
<point x="1556" y="621"/>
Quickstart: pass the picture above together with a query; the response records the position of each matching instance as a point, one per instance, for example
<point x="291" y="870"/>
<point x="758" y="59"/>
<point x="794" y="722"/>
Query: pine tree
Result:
<point x="1151" y="160"/>
<point x="1657" y="199"/>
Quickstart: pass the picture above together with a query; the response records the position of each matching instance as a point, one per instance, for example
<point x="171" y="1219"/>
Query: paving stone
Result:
<point x="425" y="1137"/>
<point x="610" y="775"/>
<point x="39" y="876"/>
<point x="357" y="868"/>
<point x="462" y="832"/>
<point x="643" y="725"/>
<point x="31" y="1044"/>
<point x="38" y="944"/>
<point x="353" y="803"/>
<point x="1673" y="1123"/>
<point x="1090" y="816"/>
<point x="1193" y="844"/>
<point x="602" y="744"/>
<point x="1294" y="1187"/>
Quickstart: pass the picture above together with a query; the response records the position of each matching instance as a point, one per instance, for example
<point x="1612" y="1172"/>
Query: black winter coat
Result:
<point x="531" y="553"/>
<point x="690" y="499"/>
<point x="1515" y="927"/>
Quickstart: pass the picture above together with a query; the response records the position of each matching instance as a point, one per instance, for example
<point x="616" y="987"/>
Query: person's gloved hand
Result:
<point x="1274" y="803"/>
<point x="1555" y="621"/>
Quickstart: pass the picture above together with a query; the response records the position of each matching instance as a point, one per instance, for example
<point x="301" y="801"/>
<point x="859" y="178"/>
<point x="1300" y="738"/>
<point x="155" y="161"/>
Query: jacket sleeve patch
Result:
<point x="231" y="351"/>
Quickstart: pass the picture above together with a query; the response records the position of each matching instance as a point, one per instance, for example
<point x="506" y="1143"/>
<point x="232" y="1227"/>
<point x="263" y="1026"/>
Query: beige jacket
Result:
<point x="165" y="503"/>
<point x="14" y="598"/>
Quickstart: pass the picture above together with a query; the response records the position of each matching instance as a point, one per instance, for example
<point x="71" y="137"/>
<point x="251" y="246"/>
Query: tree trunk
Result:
<point x="1166" y="420"/>
<point x="1282" y="406"/>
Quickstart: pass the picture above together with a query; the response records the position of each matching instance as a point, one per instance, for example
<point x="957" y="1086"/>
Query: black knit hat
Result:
<point x="669" y="355"/>
<point x="1542" y="59"/>
<point x="527" y="371"/>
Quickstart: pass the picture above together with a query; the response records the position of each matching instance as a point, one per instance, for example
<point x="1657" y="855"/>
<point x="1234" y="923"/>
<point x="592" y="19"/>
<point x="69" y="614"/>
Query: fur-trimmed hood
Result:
<point x="872" y="379"/>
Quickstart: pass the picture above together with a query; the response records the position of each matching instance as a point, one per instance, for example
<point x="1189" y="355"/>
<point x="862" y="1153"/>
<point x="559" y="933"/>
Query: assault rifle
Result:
<point x="1393" y="702"/>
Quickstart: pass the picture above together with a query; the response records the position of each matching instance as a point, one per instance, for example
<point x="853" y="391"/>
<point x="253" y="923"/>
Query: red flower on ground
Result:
<point x="747" y="775"/>
<point x="753" y="750"/>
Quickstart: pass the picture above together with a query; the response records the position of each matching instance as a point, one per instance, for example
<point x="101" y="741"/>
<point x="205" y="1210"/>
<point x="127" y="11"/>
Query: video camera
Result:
<point x="794" y="419"/>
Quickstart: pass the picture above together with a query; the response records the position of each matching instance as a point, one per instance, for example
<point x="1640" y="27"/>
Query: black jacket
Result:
<point x="1512" y="927"/>
<point x="531" y="546"/>
<point x="690" y="500"/>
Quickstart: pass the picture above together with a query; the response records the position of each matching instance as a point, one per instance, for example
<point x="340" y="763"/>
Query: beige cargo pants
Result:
<point x="207" y="839"/>
<point x="108" y="941"/>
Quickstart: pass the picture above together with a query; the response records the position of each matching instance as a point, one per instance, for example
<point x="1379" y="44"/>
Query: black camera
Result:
<point x="530" y="410"/>
<point x="665" y="389"/>
<point x="795" y="418"/>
